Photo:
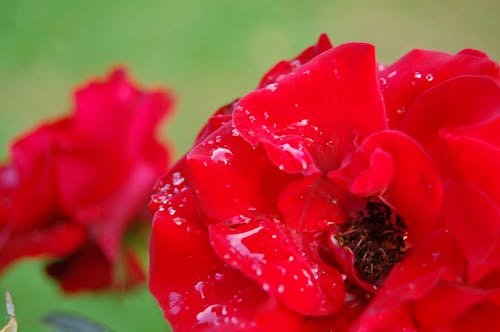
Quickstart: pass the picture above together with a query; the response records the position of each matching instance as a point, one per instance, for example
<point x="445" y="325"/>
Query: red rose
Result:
<point x="340" y="195"/>
<point x="75" y="186"/>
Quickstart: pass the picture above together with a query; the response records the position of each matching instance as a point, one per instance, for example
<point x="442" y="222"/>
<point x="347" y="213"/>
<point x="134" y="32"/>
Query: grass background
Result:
<point x="208" y="52"/>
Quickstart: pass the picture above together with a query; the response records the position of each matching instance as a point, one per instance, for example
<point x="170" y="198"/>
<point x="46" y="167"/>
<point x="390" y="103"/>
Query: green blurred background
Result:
<point x="208" y="52"/>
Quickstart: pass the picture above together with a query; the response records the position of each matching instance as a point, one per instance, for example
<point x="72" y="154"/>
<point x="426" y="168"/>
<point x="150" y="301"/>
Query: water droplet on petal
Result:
<point x="429" y="77"/>
<point x="175" y="302"/>
<point x="199" y="288"/>
<point x="392" y="74"/>
<point x="179" y="221"/>
<point x="297" y="154"/>
<point x="401" y="110"/>
<point x="212" y="314"/>
<point x="272" y="87"/>
<point x="236" y="242"/>
<point x="177" y="178"/>
<point x="417" y="75"/>
<point x="281" y="288"/>
<point x="221" y="156"/>
<point x="302" y="123"/>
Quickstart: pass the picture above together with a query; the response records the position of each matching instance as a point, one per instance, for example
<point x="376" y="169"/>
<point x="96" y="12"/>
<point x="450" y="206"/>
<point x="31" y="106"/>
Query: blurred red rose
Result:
<point x="75" y="186"/>
<point x="341" y="195"/>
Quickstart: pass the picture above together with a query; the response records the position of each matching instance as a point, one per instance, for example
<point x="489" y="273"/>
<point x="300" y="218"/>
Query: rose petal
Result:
<point x="284" y="68"/>
<point x="395" y="320"/>
<point x="222" y="116"/>
<point x="405" y="80"/>
<point x="345" y="260"/>
<point x="415" y="189"/>
<point x="365" y="175"/>
<point x="225" y="168"/>
<point x="197" y="290"/>
<point x="464" y="101"/>
<point x="309" y="119"/>
<point x="89" y="269"/>
<point x="54" y="241"/>
<point x="106" y="210"/>
<point x="264" y="251"/>
<point x="129" y="114"/>
<point x="311" y="204"/>
<point x="169" y="185"/>
<point x="475" y="220"/>
<point x="446" y="303"/>
<point x="484" y="317"/>
<point x="475" y="162"/>
<point x="432" y="260"/>
<point x="31" y="179"/>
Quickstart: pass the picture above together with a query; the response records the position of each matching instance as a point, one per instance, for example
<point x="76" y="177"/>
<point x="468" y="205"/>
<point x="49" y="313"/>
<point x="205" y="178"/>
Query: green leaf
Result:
<point x="64" y="322"/>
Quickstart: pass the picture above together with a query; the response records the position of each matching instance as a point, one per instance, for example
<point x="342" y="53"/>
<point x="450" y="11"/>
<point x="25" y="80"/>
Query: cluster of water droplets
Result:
<point x="417" y="79"/>
<point x="211" y="314"/>
<point x="171" y="186"/>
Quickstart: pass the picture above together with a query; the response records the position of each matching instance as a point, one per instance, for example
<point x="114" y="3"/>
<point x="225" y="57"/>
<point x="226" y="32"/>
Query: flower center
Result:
<point x="376" y="237"/>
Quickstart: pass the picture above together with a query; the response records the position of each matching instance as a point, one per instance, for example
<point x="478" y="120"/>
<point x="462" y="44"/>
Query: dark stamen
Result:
<point x="376" y="237"/>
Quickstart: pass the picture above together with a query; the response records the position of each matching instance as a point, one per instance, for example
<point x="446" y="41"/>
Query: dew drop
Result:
<point x="429" y="77"/>
<point x="281" y="288"/>
<point x="179" y="221"/>
<point x="302" y="123"/>
<point x="177" y="178"/>
<point x="392" y="74"/>
<point x="175" y="302"/>
<point x="209" y="314"/>
<point x="221" y="156"/>
<point x="199" y="288"/>
<point x="297" y="154"/>
<point x="272" y="87"/>
<point x="417" y="75"/>
<point x="237" y="298"/>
